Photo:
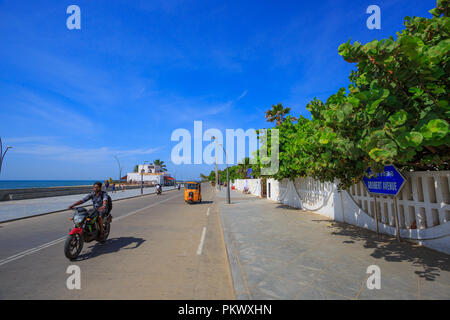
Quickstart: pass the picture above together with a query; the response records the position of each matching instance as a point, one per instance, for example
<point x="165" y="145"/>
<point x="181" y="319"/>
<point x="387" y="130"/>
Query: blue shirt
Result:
<point x="97" y="200"/>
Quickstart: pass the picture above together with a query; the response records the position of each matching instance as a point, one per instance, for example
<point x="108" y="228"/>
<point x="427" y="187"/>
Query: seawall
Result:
<point x="33" y="193"/>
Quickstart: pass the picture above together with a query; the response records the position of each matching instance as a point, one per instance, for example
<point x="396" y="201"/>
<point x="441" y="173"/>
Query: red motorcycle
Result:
<point x="86" y="229"/>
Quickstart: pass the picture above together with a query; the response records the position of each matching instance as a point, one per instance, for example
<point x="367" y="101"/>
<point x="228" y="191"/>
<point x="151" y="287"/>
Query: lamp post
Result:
<point x="2" y="156"/>
<point x="142" y="178"/>
<point x="142" y="181"/>
<point x="228" y="174"/>
<point x="120" y="168"/>
<point x="217" y="175"/>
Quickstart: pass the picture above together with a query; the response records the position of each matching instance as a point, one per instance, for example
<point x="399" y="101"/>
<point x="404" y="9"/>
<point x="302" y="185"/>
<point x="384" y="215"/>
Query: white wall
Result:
<point x="146" y="178"/>
<point x="253" y="185"/>
<point x="149" y="168"/>
<point x="425" y="199"/>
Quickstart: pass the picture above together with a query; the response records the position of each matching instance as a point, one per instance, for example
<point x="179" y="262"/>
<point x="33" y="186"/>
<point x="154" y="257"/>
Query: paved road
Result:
<point x="263" y="251"/>
<point x="17" y="209"/>
<point x="277" y="252"/>
<point x="154" y="252"/>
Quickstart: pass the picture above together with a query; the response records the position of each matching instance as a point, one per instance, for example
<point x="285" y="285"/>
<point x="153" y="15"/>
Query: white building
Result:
<point x="150" y="173"/>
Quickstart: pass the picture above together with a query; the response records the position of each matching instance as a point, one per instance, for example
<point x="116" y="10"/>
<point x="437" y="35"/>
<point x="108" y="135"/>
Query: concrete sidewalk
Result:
<point x="276" y="252"/>
<point x="17" y="209"/>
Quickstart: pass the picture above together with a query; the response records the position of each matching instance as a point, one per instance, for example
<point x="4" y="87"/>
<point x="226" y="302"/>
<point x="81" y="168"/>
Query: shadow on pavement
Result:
<point x="286" y="207"/>
<point x="206" y="202"/>
<point x="200" y="203"/>
<point x="387" y="248"/>
<point x="111" y="246"/>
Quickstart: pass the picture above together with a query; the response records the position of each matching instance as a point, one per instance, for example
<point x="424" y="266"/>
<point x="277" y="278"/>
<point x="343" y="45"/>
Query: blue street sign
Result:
<point x="249" y="172"/>
<point x="388" y="183"/>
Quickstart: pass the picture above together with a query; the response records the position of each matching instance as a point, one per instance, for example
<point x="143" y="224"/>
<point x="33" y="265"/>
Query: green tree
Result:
<point x="277" y="114"/>
<point x="212" y="176"/>
<point x="395" y="110"/>
<point x="160" y="163"/>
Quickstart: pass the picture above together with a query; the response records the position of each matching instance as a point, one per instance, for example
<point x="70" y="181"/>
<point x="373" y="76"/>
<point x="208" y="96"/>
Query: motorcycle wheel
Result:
<point x="106" y="229"/>
<point x="73" y="246"/>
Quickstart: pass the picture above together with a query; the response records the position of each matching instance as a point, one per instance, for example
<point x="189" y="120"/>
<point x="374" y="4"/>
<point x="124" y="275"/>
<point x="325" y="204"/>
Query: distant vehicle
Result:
<point x="158" y="189"/>
<point x="192" y="192"/>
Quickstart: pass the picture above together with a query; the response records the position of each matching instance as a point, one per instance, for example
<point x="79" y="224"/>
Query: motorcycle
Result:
<point x="86" y="229"/>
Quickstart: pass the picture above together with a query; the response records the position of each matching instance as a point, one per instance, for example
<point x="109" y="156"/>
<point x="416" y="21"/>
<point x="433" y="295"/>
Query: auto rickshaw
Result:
<point x="192" y="192"/>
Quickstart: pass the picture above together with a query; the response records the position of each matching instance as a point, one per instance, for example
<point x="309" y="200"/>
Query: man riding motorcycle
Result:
<point x="158" y="188"/>
<point x="100" y="201"/>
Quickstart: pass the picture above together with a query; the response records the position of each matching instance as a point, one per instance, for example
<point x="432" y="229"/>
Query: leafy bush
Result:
<point x="395" y="111"/>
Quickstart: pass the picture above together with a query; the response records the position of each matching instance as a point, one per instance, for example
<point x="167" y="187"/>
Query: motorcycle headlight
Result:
<point x="78" y="219"/>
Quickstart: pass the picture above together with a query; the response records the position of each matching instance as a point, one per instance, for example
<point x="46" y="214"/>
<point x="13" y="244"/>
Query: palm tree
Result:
<point x="161" y="164"/>
<point x="136" y="168"/>
<point x="277" y="113"/>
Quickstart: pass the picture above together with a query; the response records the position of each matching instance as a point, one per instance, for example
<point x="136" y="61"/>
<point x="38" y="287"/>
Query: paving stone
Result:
<point x="316" y="294"/>
<point x="257" y="294"/>
<point x="293" y="254"/>
<point x="297" y="273"/>
<point x="434" y="290"/>
<point x="282" y="289"/>
<point x="342" y="284"/>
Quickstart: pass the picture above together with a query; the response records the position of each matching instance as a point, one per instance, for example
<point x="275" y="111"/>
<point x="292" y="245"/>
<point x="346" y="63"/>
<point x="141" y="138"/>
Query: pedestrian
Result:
<point x="106" y="185"/>
<point x="113" y="188"/>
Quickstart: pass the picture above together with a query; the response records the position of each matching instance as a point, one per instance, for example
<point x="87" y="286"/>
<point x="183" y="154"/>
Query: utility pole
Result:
<point x="2" y="155"/>
<point x="217" y="174"/>
<point x="142" y="178"/>
<point x="120" y="168"/>
<point x="228" y="176"/>
<point x="142" y="181"/>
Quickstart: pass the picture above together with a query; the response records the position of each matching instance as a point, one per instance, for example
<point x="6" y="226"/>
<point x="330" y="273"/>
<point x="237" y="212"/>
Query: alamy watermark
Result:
<point x="74" y="20"/>
<point x="374" y="21"/>
<point x="74" y="280"/>
<point x="182" y="151"/>
<point x="374" y="280"/>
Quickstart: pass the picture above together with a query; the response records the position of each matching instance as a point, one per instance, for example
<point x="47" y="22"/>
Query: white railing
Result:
<point x="423" y="206"/>
<point x="424" y="201"/>
<point x="303" y="193"/>
<point x="313" y="194"/>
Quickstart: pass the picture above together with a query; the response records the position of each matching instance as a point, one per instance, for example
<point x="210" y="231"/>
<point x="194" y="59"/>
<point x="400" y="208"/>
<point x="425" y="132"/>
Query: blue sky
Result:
<point x="70" y="100"/>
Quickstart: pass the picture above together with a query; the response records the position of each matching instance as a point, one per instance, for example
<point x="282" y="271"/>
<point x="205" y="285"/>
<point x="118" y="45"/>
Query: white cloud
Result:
<point x="242" y="95"/>
<point x="27" y="139"/>
<point x="80" y="155"/>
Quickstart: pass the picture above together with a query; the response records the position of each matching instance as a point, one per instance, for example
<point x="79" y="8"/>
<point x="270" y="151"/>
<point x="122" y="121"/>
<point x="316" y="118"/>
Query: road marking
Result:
<point x="144" y="208"/>
<point x="51" y="243"/>
<point x="33" y="250"/>
<point x="200" y="246"/>
<point x="207" y="213"/>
